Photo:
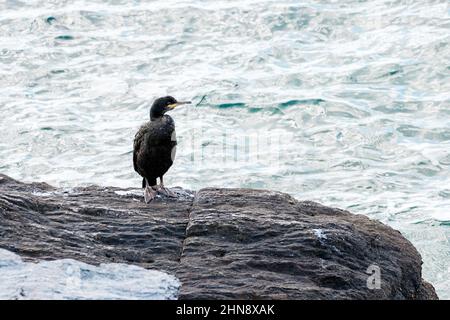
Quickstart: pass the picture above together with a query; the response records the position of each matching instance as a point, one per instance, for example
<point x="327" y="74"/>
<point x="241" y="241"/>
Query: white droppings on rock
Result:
<point x="42" y="194"/>
<point x="320" y="234"/>
<point x="133" y="192"/>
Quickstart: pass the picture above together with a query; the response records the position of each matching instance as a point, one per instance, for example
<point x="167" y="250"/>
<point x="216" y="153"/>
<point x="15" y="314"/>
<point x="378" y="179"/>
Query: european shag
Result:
<point x="155" y="147"/>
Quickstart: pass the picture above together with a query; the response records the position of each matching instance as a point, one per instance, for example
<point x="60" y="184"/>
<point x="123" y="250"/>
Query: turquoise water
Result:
<point x="342" y="102"/>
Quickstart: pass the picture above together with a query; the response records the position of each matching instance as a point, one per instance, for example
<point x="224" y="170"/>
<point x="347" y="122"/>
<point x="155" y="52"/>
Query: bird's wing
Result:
<point x="138" y="139"/>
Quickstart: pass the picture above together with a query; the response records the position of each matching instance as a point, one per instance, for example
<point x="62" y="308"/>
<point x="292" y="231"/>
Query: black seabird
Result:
<point x="155" y="147"/>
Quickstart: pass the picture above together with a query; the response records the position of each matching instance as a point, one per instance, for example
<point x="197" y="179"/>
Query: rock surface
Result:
<point x="220" y="243"/>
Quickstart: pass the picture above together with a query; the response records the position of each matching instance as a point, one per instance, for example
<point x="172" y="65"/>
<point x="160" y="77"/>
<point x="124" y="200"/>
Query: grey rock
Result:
<point x="220" y="243"/>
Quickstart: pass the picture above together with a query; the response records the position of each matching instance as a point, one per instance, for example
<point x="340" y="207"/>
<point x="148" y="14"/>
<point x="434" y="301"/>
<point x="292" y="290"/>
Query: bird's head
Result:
<point x="164" y="104"/>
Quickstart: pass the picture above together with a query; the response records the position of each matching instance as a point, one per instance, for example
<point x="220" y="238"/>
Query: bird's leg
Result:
<point x="149" y="192"/>
<point x="165" y="190"/>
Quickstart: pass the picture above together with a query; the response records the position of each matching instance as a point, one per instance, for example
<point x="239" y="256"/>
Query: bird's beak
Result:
<point x="178" y="103"/>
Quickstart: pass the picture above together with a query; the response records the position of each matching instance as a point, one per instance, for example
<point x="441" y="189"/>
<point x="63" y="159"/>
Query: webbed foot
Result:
<point x="149" y="194"/>
<point x="166" y="191"/>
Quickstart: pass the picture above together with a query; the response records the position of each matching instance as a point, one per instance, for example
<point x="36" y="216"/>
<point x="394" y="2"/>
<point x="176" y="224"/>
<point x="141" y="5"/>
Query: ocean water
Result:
<point x="342" y="102"/>
<point x="73" y="280"/>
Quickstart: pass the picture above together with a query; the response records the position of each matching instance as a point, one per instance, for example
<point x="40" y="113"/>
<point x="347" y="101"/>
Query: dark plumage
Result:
<point x="155" y="147"/>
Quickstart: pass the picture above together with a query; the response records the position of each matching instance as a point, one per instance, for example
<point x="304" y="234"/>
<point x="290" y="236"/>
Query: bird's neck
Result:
<point x="159" y="118"/>
<point x="154" y="116"/>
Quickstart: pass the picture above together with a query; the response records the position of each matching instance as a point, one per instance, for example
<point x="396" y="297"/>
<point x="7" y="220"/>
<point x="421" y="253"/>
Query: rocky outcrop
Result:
<point x="220" y="243"/>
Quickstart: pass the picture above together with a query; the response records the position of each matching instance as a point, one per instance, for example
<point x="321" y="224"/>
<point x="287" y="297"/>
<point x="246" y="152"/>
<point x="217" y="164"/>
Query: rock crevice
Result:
<point x="183" y="243"/>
